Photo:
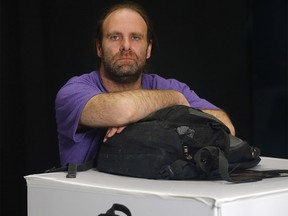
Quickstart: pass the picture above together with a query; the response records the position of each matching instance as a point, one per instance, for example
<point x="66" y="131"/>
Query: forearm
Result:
<point x="222" y="116"/>
<point x="121" y="108"/>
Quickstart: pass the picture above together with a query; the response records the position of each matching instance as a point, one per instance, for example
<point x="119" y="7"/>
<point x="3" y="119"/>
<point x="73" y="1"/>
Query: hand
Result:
<point x="112" y="131"/>
<point x="222" y="116"/>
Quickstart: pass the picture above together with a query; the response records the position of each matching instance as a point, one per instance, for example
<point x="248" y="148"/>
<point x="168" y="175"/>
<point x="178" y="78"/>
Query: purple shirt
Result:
<point x="81" y="146"/>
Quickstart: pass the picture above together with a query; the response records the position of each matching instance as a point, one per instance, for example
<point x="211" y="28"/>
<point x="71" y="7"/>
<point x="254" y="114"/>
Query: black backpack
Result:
<point x="180" y="143"/>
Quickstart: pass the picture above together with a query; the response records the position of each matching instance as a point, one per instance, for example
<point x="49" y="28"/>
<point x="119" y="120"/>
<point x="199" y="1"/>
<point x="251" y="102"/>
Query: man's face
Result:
<point x="124" y="48"/>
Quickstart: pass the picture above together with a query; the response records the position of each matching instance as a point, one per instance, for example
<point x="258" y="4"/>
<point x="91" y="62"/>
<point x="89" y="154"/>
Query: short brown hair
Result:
<point x="126" y="4"/>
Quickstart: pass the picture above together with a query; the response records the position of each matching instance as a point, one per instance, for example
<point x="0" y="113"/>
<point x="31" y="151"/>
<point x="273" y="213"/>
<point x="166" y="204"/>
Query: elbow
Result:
<point x="126" y="113"/>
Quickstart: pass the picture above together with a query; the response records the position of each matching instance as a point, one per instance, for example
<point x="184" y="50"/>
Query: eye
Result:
<point x="114" y="37"/>
<point x="136" y="37"/>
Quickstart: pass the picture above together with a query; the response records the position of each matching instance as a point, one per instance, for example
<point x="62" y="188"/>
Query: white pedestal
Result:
<point x="93" y="192"/>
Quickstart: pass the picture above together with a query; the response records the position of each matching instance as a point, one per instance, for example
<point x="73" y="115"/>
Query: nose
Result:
<point x="125" y="45"/>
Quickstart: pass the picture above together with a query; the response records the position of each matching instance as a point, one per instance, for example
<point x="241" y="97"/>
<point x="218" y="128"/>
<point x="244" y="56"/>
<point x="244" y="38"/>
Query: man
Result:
<point x="93" y="107"/>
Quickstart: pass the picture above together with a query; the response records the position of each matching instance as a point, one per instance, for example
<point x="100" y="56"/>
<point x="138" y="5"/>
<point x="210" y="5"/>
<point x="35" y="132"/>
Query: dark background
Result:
<point x="233" y="53"/>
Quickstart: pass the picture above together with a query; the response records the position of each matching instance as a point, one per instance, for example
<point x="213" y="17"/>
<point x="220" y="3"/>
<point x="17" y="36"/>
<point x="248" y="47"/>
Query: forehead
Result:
<point x="124" y="20"/>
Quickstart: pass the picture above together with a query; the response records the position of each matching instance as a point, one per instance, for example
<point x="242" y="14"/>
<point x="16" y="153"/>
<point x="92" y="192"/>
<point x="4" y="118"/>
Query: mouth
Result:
<point x="126" y="58"/>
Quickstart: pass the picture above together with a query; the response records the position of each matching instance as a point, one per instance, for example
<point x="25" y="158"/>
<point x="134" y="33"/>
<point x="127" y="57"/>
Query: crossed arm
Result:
<point x="116" y="110"/>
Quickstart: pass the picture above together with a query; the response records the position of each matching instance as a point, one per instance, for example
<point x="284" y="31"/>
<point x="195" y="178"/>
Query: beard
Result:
<point x="124" y="72"/>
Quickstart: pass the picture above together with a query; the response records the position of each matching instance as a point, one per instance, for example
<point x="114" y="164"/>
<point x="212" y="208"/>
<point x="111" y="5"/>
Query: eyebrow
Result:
<point x="119" y="33"/>
<point x="113" y="33"/>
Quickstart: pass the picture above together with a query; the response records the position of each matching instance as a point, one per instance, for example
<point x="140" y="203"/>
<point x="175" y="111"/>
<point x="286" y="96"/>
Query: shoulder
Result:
<point x="80" y="87"/>
<point x="154" y="81"/>
<point x="85" y="81"/>
<point x="92" y="77"/>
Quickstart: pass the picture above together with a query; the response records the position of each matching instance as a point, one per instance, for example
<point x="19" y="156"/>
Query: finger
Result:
<point x="120" y="129"/>
<point x="110" y="133"/>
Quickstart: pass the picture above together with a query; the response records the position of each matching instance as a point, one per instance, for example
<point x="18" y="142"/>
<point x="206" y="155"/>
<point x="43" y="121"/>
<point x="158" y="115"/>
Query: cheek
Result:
<point x="108" y="55"/>
<point x="104" y="52"/>
<point x="110" y="50"/>
<point x="145" y="53"/>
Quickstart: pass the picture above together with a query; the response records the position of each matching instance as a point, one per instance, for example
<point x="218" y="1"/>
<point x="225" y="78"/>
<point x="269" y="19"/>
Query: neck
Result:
<point x="113" y="86"/>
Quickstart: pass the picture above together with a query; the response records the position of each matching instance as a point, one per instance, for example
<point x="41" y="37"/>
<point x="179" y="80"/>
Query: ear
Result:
<point x="98" y="48"/>
<point x="149" y="49"/>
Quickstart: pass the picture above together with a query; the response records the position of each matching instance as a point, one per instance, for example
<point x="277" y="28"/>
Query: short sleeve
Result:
<point x="154" y="81"/>
<point x="69" y="103"/>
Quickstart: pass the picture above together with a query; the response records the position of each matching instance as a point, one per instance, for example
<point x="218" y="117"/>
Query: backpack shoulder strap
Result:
<point x="72" y="168"/>
<point x="117" y="207"/>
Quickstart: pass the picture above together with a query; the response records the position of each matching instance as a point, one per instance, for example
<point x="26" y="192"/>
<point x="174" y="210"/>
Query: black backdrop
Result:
<point x="233" y="53"/>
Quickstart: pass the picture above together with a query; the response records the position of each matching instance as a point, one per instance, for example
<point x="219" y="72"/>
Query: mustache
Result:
<point x="127" y="53"/>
